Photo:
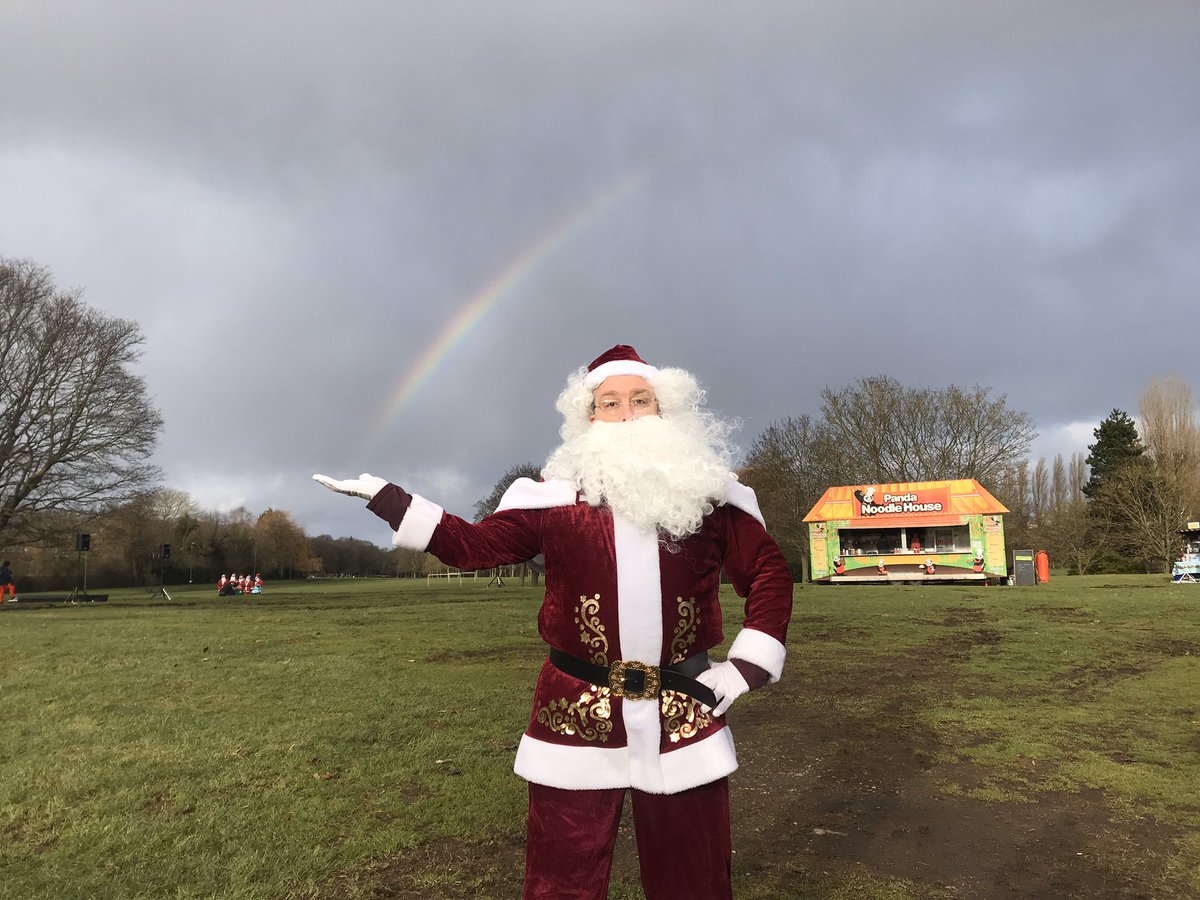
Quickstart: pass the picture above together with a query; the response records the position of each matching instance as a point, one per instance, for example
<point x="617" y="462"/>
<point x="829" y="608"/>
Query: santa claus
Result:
<point x="638" y="514"/>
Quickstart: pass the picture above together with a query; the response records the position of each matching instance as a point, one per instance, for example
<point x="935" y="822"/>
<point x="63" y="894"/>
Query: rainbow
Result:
<point x="476" y="309"/>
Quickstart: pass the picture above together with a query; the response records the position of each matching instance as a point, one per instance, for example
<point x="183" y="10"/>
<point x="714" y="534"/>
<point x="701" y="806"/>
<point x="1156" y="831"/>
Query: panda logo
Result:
<point x="865" y="498"/>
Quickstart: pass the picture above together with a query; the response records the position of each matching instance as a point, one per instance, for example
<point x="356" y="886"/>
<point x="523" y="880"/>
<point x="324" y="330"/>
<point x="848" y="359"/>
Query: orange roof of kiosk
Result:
<point x="905" y="503"/>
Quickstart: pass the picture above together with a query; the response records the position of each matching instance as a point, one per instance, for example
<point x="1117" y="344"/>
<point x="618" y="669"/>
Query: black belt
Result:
<point x="633" y="680"/>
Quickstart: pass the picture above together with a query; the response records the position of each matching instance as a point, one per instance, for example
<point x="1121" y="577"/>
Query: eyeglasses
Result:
<point x="610" y="407"/>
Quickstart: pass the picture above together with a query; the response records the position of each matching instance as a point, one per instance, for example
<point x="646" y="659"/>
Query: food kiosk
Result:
<point x="909" y="531"/>
<point x="1186" y="569"/>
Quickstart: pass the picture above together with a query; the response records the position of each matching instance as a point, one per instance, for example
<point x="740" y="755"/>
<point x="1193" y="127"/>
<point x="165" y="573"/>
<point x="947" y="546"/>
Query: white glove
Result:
<point x="365" y="486"/>
<point x="726" y="682"/>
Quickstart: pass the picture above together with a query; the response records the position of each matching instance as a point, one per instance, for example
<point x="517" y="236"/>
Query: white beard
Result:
<point x="656" y="472"/>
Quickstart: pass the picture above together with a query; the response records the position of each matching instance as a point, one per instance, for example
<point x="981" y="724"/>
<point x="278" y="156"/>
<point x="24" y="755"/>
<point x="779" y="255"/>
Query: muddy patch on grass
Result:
<point x="1087" y="679"/>
<point x="958" y="616"/>
<point x="1066" y="613"/>
<point x="1171" y="648"/>
<point x="828" y="791"/>
<point x="840" y="781"/>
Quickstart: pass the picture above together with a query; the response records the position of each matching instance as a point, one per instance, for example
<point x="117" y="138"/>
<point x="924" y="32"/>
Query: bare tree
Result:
<point x="893" y="433"/>
<point x="1065" y="528"/>
<point x="411" y="563"/>
<point x="1077" y="476"/>
<point x="171" y="505"/>
<point x="1148" y="499"/>
<point x="488" y="504"/>
<point x="1039" y="486"/>
<point x="789" y="466"/>
<point x="879" y="431"/>
<point x="1012" y="487"/>
<point x="76" y="425"/>
<point x="280" y="545"/>
<point x="1073" y="537"/>
<point x="1168" y="425"/>
<point x="131" y="535"/>
<point x="1059" y="491"/>
<point x="1148" y="506"/>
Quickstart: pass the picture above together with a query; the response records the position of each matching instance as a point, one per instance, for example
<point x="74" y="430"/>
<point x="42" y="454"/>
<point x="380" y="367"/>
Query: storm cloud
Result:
<point x="303" y="202"/>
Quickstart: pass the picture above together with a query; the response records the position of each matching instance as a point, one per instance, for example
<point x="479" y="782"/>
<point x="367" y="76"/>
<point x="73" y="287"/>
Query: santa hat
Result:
<point x="620" y="360"/>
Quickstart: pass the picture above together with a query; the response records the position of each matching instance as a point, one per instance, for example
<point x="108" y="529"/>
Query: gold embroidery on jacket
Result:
<point x="589" y="717"/>
<point x="591" y="632"/>
<point x="682" y="716"/>
<point x="685" y="629"/>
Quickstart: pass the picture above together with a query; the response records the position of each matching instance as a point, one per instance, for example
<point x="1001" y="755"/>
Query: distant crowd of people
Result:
<point x="239" y="584"/>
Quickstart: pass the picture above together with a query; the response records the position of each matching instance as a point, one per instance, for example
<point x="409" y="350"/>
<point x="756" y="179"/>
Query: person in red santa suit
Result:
<point x="637" y="515"/>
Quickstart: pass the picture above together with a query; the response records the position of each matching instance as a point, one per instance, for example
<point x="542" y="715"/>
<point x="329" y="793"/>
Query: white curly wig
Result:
<point x="679" y="396"/>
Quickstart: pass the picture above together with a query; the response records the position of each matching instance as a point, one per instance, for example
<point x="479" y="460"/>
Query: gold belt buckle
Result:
<point x="616" y="680"/>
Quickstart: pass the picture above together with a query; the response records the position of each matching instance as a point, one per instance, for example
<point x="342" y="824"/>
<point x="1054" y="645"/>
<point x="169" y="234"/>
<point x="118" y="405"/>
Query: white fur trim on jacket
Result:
<point x="759" y="648"/>
<point x="639" y="618"/>
<point x="525" y="493"/>
<point x="601" y="768"/>
<point x="416" y="529"/>
<point x="744" y="498"/>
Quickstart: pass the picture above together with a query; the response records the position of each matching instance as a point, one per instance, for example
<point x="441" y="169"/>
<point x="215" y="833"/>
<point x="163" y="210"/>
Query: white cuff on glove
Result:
<point x="365" y="486"/>
<point x="726" y="682"/>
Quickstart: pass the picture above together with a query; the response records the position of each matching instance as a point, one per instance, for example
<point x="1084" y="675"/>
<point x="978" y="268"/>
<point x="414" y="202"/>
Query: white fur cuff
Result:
<point x="416" y="530"/>
<point x="759" y="648"/>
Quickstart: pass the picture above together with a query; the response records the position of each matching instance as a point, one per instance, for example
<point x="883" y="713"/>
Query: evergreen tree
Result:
<point x="1117" y="443"/>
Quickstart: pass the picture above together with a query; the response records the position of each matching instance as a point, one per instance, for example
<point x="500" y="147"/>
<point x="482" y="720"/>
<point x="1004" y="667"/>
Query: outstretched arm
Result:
<point x="418" y="524"/>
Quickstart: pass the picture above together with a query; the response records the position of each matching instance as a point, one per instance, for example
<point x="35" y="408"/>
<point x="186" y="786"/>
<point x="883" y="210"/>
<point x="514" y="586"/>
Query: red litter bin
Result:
<point x="1041" y="566"/>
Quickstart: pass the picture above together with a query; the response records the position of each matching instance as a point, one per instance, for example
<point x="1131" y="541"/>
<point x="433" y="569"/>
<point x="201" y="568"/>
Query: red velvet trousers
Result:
<point x="682" y="840"/>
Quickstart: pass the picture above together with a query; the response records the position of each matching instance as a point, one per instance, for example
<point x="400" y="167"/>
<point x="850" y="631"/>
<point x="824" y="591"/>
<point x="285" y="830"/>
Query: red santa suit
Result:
<point x="616" y="593"/>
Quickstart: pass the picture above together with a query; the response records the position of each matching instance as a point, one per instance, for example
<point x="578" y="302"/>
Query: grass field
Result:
<point x="355" y="739"/>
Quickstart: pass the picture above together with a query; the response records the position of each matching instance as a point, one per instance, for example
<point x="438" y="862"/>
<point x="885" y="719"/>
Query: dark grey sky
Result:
<point x="298" y="201"/>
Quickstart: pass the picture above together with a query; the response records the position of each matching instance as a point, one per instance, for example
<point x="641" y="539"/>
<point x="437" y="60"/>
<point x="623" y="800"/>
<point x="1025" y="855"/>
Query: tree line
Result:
<point x="77" y="431"/>
<point x="1116" y="509"/>
<point x="126" y="548"/>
